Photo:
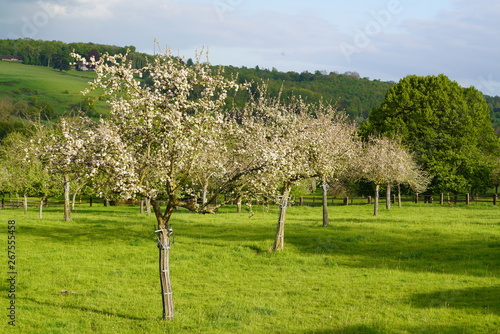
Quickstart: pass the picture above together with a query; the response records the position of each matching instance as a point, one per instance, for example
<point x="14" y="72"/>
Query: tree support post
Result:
<point x="163" y="237"/>
<point x="279" y="239"/>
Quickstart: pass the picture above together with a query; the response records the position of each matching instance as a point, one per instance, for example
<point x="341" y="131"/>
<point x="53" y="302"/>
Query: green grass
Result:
<point x="420" y="269"/>
<point x="59" y="89"/>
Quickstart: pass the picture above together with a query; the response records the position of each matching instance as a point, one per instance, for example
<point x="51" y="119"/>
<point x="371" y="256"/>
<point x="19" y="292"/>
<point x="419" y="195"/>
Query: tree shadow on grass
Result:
<point x="391" y="247"/>
<point x="485" y="299"/>
<point x="356" y="329"/>
<point x="371" y="246"/>
<point x="85" y="309"/>
<point x="420" y="252"/>
<point x="364" y="329"/>
<point x="98" y="231"/>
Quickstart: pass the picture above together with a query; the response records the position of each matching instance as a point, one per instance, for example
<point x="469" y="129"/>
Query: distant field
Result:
<point x="420" y="269"/>
<point x="60" y="89"/>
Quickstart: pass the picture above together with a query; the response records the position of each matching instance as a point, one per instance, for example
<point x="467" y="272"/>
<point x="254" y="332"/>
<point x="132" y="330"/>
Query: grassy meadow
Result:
<point x="420" y="269"/>
<point x="60" y="89"/>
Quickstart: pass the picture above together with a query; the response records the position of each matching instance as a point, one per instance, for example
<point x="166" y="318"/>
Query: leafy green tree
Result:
<point x="495" y="176"/>
<point x="447" y="127"/>
<point x="60" y="62"/>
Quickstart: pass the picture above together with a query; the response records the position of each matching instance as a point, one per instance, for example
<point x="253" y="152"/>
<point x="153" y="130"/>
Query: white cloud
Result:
<point x="93" y="9"/>
<point x="461" y="42"/>
<point x="459" y="38"/>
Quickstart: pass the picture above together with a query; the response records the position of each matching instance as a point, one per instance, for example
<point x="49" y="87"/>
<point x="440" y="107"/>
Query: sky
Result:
<point x="380" y="39"/>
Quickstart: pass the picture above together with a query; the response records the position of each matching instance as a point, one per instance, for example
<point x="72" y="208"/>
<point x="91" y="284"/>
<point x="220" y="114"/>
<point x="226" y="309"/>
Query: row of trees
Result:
<point x="358" y="96"/>
<point x="50" y="53"/>
<point x="176" y="139"/>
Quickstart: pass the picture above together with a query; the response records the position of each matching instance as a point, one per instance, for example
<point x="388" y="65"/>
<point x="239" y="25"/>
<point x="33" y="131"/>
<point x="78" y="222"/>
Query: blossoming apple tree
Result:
<point x="172" y="134"/>
<point x="332" y="147"/>
<point x="387" y="162"/>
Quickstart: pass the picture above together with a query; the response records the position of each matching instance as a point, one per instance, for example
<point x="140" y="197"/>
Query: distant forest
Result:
<point x="356" y="95"/>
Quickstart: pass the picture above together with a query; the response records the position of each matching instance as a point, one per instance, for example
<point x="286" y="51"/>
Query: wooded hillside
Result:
<point x="357" y="95"/>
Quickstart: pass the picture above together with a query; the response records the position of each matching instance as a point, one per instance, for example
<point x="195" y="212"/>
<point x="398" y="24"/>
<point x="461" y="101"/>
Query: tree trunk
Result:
<point x="388" y="197"/>
<point x="163" y="234"/>
<point x="324" y="186"/>
<point x="204" y="195"/>
<point x="25" y="203"/>
<point x="73" y="201"/>
<point x="238" y="204"/>
<point x="400" y="205"/>
<point x="141" y="210"/>
<point x="279" y="239"/>
<point x="148" y="206"/>
<point x="67" y="211"/>
<point x="375" y="206"/>
<point x="40" y="208"/>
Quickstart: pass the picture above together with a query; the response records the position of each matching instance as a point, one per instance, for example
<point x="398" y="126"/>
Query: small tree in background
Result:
<point x="68" y="151"/>
<point x="27" y="173"/>
<point x="60" y="62"/>
<point x="332" y="148"/>
<point x="386" y="162"/>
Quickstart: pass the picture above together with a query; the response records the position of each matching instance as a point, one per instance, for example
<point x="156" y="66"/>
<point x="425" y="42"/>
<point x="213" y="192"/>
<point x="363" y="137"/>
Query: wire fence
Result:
<point x="17" y="202"/>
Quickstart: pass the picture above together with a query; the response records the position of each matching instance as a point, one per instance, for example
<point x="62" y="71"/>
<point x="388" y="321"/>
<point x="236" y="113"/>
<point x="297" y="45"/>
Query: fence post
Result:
<point x="495" y="199"/>
<point x="441" y="199"/>
<point x="346" y="200"/>
<point x="467" y="199"/>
